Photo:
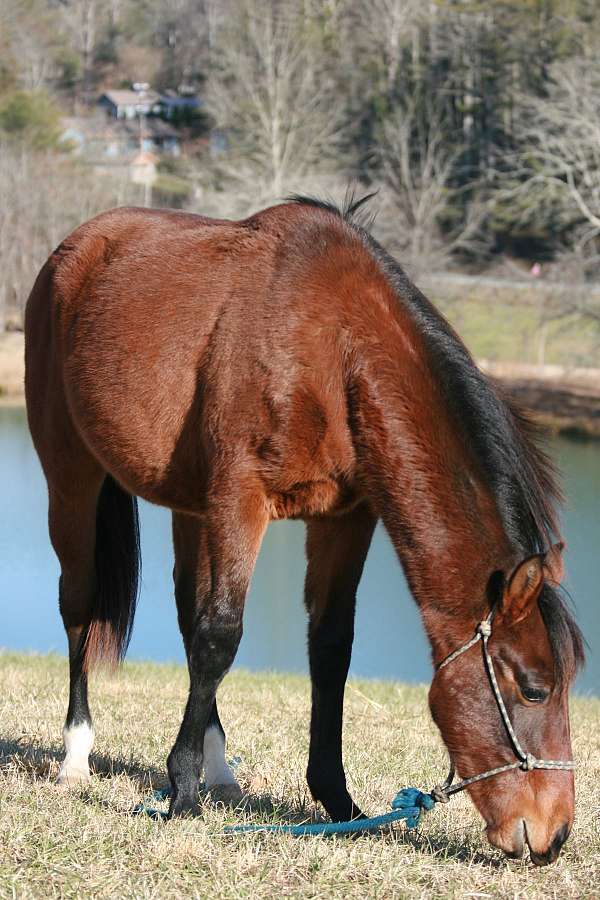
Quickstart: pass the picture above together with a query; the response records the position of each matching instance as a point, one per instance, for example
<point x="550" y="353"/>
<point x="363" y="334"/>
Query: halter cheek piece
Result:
<point x="525" y="761"/>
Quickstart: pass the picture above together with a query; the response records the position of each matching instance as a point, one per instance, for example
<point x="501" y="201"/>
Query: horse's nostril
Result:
<point x="544" y="859"/>
<point x="551" y="854"/>
<point x="559" y="838"/>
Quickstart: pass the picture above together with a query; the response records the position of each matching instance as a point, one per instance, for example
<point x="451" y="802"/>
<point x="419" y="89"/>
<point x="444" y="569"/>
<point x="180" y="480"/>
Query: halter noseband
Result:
<point x="525" y="761"/>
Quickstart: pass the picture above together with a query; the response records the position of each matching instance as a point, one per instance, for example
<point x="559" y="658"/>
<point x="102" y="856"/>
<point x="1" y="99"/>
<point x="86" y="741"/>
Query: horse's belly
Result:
<point x="313" y="499"/>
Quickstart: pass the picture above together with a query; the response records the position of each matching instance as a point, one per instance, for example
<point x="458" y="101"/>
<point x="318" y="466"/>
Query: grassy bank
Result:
<point x="505" y="321"/>
<point x="86" y="843"/>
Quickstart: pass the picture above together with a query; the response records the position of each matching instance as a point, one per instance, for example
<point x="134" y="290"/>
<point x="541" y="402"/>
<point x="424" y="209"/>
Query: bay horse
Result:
<point x="284" y="366"/>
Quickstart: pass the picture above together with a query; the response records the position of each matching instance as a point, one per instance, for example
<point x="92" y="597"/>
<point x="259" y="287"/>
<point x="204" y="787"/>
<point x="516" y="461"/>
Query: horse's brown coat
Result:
<point x="239" y="372"/>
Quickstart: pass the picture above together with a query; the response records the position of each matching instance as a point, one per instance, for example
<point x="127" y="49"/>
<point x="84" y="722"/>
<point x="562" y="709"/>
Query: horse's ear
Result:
<point x="554" y="567"/>
<point x="522" y="589"/>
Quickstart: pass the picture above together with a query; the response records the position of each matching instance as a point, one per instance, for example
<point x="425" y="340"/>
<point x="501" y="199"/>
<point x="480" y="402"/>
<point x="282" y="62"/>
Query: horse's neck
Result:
<point x="431" y="494"/>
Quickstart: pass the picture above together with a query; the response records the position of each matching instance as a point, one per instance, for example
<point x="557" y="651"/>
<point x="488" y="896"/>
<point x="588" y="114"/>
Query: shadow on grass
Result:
<point x="274" y="810"/>
<point x="40" y="762"/>
<point x="453" y="849"/>
<point x="43" y="762"/>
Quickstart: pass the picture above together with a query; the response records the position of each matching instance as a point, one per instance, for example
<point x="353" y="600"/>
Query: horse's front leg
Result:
<point x="336" y="551"/>
<point x="211" y="583"/>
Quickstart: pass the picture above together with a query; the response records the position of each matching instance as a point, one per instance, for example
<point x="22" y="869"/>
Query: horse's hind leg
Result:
<point x="336" y="549"/>
<point x="214" y="560"/>
<point x="94" y="530"/>
<point x="191" y="561"/>
<point x="72" y="521"/>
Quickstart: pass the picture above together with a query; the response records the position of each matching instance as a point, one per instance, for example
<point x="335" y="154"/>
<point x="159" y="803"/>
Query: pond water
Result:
<point x="389" y="638"/>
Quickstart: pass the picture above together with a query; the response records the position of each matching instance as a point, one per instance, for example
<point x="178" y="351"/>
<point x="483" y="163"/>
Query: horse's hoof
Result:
<point x="184" y="809"/>
<point x="70" y="778"/>
<point x="229" y="794"/>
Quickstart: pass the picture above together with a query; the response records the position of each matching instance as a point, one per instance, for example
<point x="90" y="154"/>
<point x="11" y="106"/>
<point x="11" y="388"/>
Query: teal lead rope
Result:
<point x="408" y="804"/>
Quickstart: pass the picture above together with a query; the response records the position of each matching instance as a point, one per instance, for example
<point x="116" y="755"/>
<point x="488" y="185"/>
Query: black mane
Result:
<point x="503" y="438"/>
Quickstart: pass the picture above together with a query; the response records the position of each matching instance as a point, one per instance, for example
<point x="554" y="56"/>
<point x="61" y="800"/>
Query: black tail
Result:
<point x="117" y="576"/>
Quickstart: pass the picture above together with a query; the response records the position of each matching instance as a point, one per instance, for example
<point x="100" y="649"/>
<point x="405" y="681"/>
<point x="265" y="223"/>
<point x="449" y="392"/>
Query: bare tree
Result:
<point x="389" y="26"/>
<point x="421" y="212"/>
<point x="560" y="134"/>
<point x="33" y="41"/>
<point x="42" y="198"/>
<point x="273" y="103"/>
<point x="81" y="24"/>
<point x="554" y="183"/>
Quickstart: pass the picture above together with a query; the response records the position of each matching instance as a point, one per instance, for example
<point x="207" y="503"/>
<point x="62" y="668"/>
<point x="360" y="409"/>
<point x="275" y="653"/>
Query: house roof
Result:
<point x="131" y="98"/>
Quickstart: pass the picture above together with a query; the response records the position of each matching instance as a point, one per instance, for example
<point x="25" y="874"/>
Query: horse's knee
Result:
<point x="213" y="645"/>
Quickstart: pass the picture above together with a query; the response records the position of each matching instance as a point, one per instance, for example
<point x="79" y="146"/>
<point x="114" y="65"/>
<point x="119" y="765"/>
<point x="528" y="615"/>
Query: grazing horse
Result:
<point x="279" y="367"/>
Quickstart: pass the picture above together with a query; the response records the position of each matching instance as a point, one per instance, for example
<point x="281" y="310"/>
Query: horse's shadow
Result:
<point x="39" y="762"/>
<point x="448" y="848"/>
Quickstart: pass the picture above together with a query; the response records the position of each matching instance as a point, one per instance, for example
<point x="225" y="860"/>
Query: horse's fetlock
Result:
<point x="184" y="804"/>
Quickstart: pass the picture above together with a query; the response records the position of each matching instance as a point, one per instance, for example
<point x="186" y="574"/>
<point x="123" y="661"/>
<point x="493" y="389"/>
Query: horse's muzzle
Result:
<point x="551" y="854"/>
<point x="512" y="843"/>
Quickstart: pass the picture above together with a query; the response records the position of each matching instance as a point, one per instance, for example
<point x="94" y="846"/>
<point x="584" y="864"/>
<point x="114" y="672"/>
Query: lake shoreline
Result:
<point x="564" y="400"/>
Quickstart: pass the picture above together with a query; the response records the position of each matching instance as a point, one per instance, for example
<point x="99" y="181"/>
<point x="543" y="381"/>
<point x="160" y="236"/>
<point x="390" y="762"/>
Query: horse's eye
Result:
<point x="534" y="695"/>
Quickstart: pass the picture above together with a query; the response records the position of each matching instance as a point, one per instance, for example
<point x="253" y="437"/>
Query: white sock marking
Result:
<point x="216" y="770"/>
<point x="79" y="740"/>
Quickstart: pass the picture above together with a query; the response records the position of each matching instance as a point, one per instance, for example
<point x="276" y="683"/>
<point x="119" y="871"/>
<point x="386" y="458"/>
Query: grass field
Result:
<point x="505" y="324"/>
<point x="86" y="843"/>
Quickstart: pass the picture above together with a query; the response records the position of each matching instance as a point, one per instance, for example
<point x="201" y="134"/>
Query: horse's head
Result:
<point x="535" y="649"/>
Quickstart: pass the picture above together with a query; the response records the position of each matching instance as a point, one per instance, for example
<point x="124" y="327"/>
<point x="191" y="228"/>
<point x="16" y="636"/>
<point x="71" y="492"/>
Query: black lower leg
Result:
<point x="78" y="732"/>
<point x="213" y="719"/>
<point x="211" y="653"/>
<point x="78" y="711"/>
<point x="330" y="647"/>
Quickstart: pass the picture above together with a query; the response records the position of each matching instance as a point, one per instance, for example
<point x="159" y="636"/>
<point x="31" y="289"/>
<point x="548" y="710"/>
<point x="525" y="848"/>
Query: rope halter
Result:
<point x="525" y="761"/>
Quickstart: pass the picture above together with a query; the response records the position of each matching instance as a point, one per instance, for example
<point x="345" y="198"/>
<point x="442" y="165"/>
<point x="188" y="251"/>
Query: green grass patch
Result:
<point x="86" y="843"/>
<point x="507" y="326"/>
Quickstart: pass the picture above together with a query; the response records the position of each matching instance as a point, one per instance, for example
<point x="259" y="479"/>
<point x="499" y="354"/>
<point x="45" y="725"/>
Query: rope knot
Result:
<point x="439" y="794"/>
<point x="529" y="763"/>
<point x="484" y="628"/>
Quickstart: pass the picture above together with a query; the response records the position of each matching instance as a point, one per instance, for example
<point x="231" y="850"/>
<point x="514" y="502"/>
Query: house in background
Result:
<point x="131" y="129"/>
<point x="148" y="134"/>
<point x="128" y="104"/>
<point x="177" y="106"/>
<point x="98" y="137"/>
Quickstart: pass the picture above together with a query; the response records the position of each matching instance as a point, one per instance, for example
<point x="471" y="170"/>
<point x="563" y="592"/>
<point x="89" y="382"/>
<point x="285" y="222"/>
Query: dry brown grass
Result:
<point x="87" y="844"/>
